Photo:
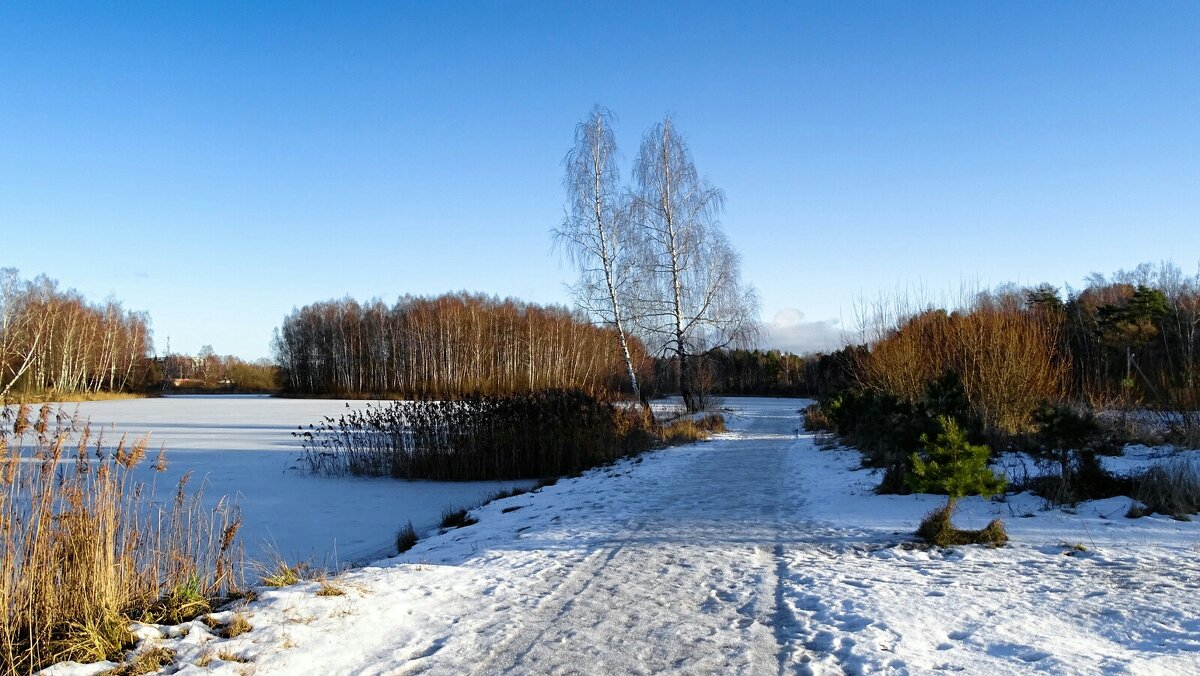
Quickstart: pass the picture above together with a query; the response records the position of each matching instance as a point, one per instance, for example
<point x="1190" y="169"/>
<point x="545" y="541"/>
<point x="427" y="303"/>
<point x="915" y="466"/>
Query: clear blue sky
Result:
<point x="217" y="164"/>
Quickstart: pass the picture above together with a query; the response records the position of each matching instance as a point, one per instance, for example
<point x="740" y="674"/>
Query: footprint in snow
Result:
<point x="1022" y="652"/>
<point x="429" y="650"/>
<point x="854" y="622"/>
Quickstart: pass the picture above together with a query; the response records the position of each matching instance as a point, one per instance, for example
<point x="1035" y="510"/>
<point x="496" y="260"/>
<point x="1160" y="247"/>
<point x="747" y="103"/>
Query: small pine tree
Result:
<point x="950" y="464"/>
<point x="1066" y="437"/>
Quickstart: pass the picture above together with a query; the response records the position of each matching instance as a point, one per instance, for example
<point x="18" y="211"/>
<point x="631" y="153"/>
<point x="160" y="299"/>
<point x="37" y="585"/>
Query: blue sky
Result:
<point x="217" y="164"/>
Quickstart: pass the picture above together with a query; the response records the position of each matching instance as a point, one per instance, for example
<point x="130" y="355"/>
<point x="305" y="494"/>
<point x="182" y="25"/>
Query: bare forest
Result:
<point x="446" y="346"/>
<point x="56" y="341"/>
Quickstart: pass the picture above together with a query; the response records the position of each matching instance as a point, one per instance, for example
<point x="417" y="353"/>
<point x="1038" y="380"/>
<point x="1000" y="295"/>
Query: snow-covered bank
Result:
<point x="753" y="553"/>
<point x="242" y="446"/>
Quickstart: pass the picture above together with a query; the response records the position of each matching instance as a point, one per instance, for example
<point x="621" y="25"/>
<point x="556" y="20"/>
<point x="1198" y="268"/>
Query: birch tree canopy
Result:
<point x="688" y="295"/>
<point x="596" y="234"/>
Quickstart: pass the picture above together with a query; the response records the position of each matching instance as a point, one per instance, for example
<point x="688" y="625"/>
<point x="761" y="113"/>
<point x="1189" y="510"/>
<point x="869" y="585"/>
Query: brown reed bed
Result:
<point x="531" y="435"/>
<point x="87" y="548"/>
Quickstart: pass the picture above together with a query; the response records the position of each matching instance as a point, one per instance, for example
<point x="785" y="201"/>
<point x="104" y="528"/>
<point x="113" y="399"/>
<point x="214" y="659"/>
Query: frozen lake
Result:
<point x="242" y="447"/>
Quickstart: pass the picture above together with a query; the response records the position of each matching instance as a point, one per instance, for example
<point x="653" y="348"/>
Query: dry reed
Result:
<point x="519" y="436"/>
<point x="87" y="548"/>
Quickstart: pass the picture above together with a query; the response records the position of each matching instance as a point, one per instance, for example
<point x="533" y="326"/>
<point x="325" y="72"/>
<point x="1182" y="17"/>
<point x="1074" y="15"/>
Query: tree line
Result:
<point x="56" y="341"/>
<point x="444" y="347"/>
<point x="209" y="372"/>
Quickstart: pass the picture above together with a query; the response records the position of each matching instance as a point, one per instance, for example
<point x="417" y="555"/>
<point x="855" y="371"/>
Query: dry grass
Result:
<point x="70" y="397"/>
<point x="687" y="430"/>
<point x="237" y="626"/>
<point x="330" y="589"/>
<point x="406" y="538"/>
<point x="937" y="529"/>
<point x="88" y="548"/>
<point x="145" y="662"/>
<point x="285" y="575"/>
<point x="1171" y="488"/>
<point x="231" y="657"/>
<point x="457" y="518"/>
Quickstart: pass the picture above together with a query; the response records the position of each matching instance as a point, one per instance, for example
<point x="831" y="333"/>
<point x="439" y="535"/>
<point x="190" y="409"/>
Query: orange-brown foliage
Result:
<point x="1009" y="360"/>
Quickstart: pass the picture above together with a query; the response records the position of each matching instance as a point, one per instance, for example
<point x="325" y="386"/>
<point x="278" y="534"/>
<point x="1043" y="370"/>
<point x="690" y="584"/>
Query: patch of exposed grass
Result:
<point x="184" y="602"/>
<point x="406" y="538"/>
<point x="510" y="493"/>
<point x="92" y="639"/>
<point x="285" y="575"/>
<point x="237" y="626"/>
<point x="1171" y="488"/>
<point x="145" y="662"/>
<point x="330" y="589"/>
<point x="1072" y="548"/>
<point x="228" y="656"/>
<point x="457" y="518"/>
<point x="936" y="529"/>
<point x="688" y="430"/>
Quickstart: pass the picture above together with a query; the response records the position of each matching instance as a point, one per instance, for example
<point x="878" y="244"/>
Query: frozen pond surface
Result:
<point x="242" y="446"/>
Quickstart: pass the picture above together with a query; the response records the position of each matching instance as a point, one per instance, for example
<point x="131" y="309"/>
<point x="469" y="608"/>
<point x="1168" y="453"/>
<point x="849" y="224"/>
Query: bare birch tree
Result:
<point x="595" y="232"/>
<point x="55" y="341"/>
<point x="19" y="334"/>
<point x="689" y="295"/>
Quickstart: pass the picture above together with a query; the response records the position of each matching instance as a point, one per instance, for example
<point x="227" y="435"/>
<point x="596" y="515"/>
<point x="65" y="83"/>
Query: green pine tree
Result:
<point x="952" y="465"/>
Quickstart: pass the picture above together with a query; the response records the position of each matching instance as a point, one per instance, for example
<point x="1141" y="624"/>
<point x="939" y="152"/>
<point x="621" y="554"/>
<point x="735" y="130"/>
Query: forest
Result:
<point x="446" y="346"/>
<point x="57" y="341"/>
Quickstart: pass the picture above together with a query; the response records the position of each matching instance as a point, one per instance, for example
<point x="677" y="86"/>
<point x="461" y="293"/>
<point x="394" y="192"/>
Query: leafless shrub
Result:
<point x="1171" y="487"/>
<point x="1009" y="361"/>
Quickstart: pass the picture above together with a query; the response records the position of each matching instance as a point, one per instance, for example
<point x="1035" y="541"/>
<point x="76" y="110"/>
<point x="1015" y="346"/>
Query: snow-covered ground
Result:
<point x="752" y="553"/>
<point x="242" y="446"/>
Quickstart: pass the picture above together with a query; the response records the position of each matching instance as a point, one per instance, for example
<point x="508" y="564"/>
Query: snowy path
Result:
<point x="686" y="580"/>
<point x="754" y="553"/>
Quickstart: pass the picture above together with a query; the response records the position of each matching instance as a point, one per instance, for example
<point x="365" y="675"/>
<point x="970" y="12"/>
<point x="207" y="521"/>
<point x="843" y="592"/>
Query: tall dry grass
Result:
<point x="1009" y="360"/>
<point x="87" y="548"/>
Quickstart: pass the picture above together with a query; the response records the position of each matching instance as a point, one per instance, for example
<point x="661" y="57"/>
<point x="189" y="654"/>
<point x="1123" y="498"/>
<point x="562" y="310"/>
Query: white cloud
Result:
<point x="790" y="333"/>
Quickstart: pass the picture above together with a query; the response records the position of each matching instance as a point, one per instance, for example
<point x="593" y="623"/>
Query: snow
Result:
<point x="242" y="446"/>
<point x="756" y="552"/>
